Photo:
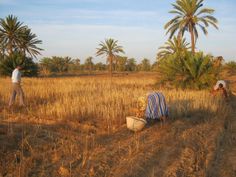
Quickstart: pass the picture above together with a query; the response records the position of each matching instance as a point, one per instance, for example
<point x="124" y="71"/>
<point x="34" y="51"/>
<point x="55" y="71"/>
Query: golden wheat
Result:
<point x="98" y="99"/>
<point x="85" y="110"/>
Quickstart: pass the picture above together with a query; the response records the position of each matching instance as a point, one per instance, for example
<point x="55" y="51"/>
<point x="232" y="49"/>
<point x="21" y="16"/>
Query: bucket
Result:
<point x="135" y="123"/>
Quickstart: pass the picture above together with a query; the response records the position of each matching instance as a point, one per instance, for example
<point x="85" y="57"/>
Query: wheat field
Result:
<point x="75" y="126"/>
<point x="98" y="98"/>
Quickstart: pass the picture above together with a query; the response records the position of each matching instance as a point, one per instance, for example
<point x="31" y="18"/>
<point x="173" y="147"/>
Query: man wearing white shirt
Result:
<point x="16" y="81"/>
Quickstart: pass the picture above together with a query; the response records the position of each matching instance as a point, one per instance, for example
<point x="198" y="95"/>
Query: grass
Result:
<point x="69" y="122"/>
<point x="98" y="99"/>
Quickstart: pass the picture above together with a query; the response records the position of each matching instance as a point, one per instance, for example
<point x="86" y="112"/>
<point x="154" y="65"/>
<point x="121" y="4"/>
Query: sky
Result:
<point x="76" y="27"/>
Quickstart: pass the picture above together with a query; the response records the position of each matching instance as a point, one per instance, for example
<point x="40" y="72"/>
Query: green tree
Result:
<point x="45" y="65"/>
<point x="56" y="64"/>
<point x="131" y="64"/>
<point x="154" y="66"/>
<point x="61" y="64"/>
<point x="174" y="46"/>
<point x="14" y="36"/>
<point x="111" y="49"/>
<point x="88" y="64"/>
<point x="11" y="33"/>
<point x="100" y="66"/>
<point x="145" y="65"/>
<point x="75" y="65"/>
<point x="77" y="62"/>
<point x="121" y="63"/>
<point x="9" y="63"/>
<point x="29" y="42"/>
<point x="191" y="71"/>
<point x="190" y="14"/>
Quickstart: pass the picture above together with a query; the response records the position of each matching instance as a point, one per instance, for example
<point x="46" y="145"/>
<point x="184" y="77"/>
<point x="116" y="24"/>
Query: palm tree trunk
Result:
<point x="192" y="39"/>
<point x="110" y="64"/>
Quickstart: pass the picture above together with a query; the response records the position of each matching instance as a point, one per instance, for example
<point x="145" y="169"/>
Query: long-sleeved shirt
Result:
<point x="16" y="76"/>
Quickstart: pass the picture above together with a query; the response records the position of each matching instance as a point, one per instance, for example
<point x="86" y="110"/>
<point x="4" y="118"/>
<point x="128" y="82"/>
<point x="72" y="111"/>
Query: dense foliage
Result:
<point x="9" y="63"/>
<point x="179" y="67"/>
<point x="190" y="71"/>
<point x="58" y="64"/>
<point x="18" y="46"/>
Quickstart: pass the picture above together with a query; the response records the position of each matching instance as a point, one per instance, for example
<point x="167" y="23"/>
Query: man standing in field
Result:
<point x="16" y="87"/>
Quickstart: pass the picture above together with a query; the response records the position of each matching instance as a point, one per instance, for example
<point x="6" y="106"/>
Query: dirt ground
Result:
<point x="188" y="147"/>
<point x="225" y="162"/>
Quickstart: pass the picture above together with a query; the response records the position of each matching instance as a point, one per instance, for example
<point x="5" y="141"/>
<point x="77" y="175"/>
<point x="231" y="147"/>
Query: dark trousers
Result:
<point x="17" y="90"/>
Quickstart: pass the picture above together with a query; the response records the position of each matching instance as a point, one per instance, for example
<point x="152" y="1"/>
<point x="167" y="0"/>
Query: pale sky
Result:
<point x="75" y="27"/>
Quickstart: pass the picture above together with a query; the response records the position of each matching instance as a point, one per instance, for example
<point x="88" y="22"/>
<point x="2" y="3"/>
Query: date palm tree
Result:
<point x="174" y="46"/>
<point x="190" y="14"/>
<point x="192" y="71"/>
<point x="10" y="32"/>
<point x="28" y="43"/>
<point x="88" y="64"/>
<point x="111" y="49"/>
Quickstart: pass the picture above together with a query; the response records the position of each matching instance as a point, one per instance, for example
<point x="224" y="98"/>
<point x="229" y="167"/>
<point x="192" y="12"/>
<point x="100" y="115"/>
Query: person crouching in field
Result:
<point x="153" y="107"/>
<point x="16" y="87"/>
<point x="220" y="88"/>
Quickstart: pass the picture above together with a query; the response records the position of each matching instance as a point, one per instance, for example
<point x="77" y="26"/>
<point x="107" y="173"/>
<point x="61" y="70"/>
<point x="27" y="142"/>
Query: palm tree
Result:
<point x="89" y="64"/>
<point x="199" y="70"/>
<point x="175" y="46"/>
<point x="28" y="43"/>
<point x="110" y="48"/>
<point x="46" y="65"/>
<point x="189" y="15"/>
<point x="192" y="71"/>
<point x="131" y="64"/>
<point x="121" y="63"/>
<point x="10" y="32"/>
<point x="145" y="65"/>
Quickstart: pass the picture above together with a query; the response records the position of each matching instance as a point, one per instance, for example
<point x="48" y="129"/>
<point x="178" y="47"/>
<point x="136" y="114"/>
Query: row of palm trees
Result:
<point x="17" y="37"/>
<point x="190" y="14"/>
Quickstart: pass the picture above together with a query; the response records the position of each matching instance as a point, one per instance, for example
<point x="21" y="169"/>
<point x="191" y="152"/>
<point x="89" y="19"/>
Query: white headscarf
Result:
<point x="218" y="83"/>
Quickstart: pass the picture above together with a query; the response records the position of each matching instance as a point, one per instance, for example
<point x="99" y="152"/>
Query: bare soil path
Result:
<point x="225" y="164"/>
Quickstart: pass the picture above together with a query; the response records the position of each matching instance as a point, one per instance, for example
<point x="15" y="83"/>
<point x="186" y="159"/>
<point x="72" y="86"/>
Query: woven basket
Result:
<point x="135" y="123"/>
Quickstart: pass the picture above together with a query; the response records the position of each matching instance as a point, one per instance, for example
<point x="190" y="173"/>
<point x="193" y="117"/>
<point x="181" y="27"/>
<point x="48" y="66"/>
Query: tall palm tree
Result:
<point x="10" y="32"/>
<point x="28" y="43"/>
<point x="189" y="15"/>
<point x="110" y="48"/>
<point x="174" y="46"/>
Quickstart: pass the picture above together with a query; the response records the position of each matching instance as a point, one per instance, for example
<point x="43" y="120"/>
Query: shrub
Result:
<point x="190" y="71"/>
<point x="9" y="63"/>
